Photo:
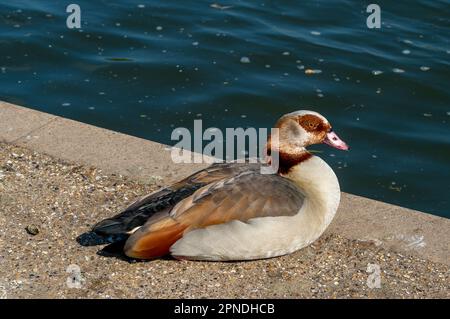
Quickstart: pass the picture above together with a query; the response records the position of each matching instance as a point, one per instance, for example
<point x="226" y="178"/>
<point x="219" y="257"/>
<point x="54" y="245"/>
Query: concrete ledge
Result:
<point x="89" y="145"/>
<point x="359" y="218"/>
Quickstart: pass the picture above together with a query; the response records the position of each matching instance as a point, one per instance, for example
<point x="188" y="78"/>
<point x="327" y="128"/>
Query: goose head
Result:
<point x="297" y="130"/>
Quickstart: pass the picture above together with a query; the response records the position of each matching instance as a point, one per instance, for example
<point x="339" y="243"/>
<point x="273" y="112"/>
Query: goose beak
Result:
<point x="334" y="141"/>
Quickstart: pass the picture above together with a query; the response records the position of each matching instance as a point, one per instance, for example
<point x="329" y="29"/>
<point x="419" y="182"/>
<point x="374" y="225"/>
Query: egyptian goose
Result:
<point x="232" y="211"/>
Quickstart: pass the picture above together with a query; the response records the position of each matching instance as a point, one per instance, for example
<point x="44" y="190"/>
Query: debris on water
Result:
<point x="427" y="114"/>
<point x="220" y="7"/>
<point x="397" y="70"/>
<point x="406" y="52"/>
<point x="312" y="71"/>
<point x="377" y="72"/>
<point x="141" y="6"/>
<point x="286" y="53"/>
<point x="245" y="59"/>
<point x="395" y="188"/>
<point x="32" y="230"/>
<point x="315" y="32"/>
<point x="424" y="68"/>
<point x="300" y="67"/>
<point x="267" y="66"/>
<point x="65" y="104"/>
<point x="159" y="28"/>
<point x="195" y="43"/>
<point x="378" y="91"/>
<point x="407" y="41"/>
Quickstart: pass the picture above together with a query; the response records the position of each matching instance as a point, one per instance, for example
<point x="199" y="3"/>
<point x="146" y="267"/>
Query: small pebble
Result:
<point x="32" y="230"/>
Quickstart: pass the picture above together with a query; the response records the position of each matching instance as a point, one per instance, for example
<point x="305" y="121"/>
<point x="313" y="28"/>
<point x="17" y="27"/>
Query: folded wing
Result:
<point x="123" y="224"/>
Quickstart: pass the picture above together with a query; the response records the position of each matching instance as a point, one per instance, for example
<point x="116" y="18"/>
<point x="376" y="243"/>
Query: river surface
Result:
<point x="146" y="67"/>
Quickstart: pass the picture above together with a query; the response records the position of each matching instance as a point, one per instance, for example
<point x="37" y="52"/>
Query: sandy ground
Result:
<point x="45" y="204"/>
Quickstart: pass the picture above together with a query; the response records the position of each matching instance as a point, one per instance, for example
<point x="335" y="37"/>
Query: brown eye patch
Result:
<point x="312" y="123"/>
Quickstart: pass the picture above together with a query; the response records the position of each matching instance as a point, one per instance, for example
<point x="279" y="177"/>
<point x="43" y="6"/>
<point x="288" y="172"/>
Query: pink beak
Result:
<point x="334" y="141"/>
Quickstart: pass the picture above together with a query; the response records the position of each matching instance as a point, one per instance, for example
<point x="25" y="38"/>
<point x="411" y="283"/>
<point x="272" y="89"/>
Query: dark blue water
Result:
<point x="146" y="67"/>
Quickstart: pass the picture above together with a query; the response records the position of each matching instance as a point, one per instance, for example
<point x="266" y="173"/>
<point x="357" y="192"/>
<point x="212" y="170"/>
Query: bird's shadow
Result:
<point x="114" y="246"/>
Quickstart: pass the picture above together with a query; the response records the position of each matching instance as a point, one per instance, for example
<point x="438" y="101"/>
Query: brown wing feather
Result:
<point x="157" y="240"/>
<point x="144" y="208"/>
<point x="244" y="196"/>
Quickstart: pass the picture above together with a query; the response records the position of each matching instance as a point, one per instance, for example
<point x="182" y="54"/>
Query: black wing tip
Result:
<point x="105" y="232"/>
<point x="108" y="227"/>
<point x="93" y="239"/>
